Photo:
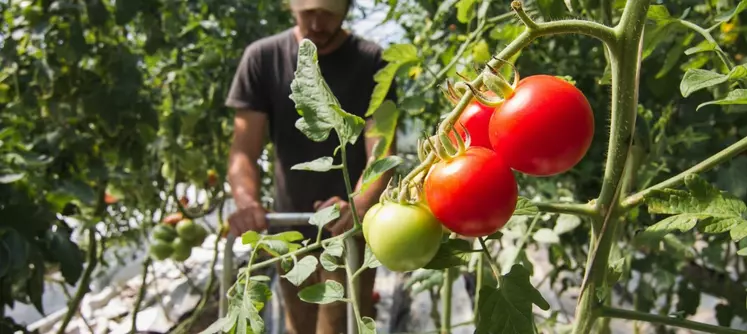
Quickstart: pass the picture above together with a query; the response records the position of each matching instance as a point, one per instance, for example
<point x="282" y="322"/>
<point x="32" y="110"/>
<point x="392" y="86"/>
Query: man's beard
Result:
<point x="329" y="40"/>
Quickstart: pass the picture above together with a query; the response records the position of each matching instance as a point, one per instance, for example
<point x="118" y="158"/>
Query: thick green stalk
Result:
<point x="140" y="294"/>
<point x="609" y="312"/>
<point x="625" y="54"/>
<point x="84" y="281"/>
<point x="446" y="298"/>
<point x="352" y="279"/>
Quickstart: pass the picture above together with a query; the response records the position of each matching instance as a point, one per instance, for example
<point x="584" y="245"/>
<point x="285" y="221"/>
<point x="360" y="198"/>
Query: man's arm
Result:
<point x="243" y="172"/>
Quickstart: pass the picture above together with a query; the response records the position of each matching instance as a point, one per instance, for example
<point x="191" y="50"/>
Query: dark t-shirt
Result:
<point x="262" y="83"/>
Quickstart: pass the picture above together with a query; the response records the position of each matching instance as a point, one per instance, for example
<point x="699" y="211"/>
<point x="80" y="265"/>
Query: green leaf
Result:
<point x="385" y="127"/>
<point x="302" y="270"/>
<point x="716" y="211"/>
<point x="4" y="259"/>
<point x="275" y="247"/>
<point x="737" y="96"/>
<point x="424" y="279"/>
<point x="742" y="252"/>
<point x="288" y="236"/>
<point x="703" y="46"/>
<point x="10" y="178"/>
<point x="696" y="79"/>
<point x="566" y="223"/>
<point x="688" y="299"/>
<point x="67" y="254"/>
<point x="378" y="168"/>
<point x="396" y="55"/>
<point x="368" y="325"/>
<point x="250" y="238"/>
<point x="323" y="293"/>
<point x="481" y="52"/>
<point x="495" y="236"/>
<point x="328" y="261"/>
<point x="546" y="235"/>
<point x="259" y="294"/>
<point x="323" y="164"/>
<point x="738" y="72"/>
<point x="730" y="14"/>
<point x="325" y="216"/>
<point x="335" y="248"/>
<point x="219" y="324"/>
<point x="673" y="56"/>
<point x="319" y="109"/>
<point x="658" y="13"/>
<point x="524" y="207"/>
<point x="508" y="309"/>
<point x="369" y="259"/>
<point x="464" y="10"/>
<point x="452" y="253"/>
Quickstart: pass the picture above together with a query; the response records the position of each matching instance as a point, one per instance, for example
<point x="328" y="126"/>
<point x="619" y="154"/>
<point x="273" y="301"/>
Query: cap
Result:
<point x="335" y="6"/>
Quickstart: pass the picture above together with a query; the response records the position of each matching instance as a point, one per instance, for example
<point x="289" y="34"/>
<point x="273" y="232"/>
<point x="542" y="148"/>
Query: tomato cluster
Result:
<point x="542" y="126"/>
<point x="175" y="237"/>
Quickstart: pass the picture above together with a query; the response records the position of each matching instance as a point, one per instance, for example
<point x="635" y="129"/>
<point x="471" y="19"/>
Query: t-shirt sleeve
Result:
<point x="247" y="90"/>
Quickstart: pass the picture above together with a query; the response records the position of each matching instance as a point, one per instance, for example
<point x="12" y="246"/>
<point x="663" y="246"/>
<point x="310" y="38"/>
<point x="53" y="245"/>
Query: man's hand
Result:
<point x="249" y="216"/>
<point x="345" y="222"/>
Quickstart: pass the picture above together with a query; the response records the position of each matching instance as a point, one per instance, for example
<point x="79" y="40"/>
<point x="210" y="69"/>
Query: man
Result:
<point x="260" y="94"/>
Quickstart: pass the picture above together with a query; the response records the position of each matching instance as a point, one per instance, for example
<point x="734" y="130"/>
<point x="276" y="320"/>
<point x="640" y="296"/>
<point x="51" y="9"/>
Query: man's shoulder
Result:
<point x="366" y="46"/>
<point x="269" y="43"/>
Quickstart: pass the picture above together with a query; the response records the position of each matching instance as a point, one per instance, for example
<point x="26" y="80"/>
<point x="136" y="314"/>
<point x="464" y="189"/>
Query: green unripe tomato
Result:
<point x="188" y="230"/>
<point x="164" y="232"/>
<point x="182" y="250"/>
<point x="403" y="237"/>
<point x="161" y="250"/>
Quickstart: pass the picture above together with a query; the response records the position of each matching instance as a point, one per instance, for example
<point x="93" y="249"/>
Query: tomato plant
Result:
<point x="545" y="127"/>
<point x="403" y="237"/>
<point x="472" y="194"/>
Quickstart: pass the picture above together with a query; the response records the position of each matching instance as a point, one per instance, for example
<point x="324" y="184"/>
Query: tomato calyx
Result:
<point x="497" y="83"/>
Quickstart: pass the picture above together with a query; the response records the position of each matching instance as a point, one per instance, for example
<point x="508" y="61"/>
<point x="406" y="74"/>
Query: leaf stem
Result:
<point x="610" y="312"/>
<point x="493" y="266"/>
<point x="304" y="250"/>
<point x="569" y="208"/>
<point x="706" y="165"/>
<point x="707" y="35"/>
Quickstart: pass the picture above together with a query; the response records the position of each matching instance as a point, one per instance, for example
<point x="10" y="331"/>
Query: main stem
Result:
<point x="625" y="55"/>
<point x="446" y="298"/>
<point x="352" y="286"/>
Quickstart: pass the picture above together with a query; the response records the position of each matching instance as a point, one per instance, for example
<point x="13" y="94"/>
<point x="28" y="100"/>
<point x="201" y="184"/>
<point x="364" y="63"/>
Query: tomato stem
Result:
<point x="611" y="312"/>
<point x="519" y="9"/>
<point x="491" y="261"/>
<point x="706" y="165"/>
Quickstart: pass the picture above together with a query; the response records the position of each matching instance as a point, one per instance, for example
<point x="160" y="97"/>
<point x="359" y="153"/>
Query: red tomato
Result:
<point x="476" y="118"/>
<point x="473" y="194"/>
<point x="544" y="128"/>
